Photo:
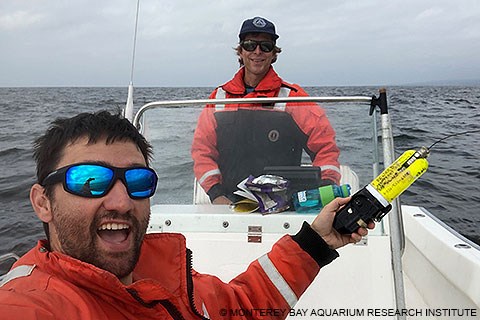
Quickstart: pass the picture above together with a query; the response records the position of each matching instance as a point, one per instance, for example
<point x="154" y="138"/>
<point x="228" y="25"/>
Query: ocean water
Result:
<point x="450" y="189"/>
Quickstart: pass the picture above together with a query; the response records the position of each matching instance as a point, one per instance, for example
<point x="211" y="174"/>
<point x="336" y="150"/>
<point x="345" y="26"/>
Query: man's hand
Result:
<point x="323" y="225"/>
<point x="221" y="200"/>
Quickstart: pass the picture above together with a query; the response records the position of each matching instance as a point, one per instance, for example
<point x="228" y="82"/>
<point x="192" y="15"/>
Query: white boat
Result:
<point x="411" y="266"/>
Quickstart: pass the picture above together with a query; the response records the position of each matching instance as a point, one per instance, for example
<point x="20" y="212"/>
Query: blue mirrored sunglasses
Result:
<point x="92" y="180"/>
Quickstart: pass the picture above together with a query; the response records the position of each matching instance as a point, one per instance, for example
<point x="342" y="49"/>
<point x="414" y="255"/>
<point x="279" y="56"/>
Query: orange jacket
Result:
<point x="308" y="117"/>
<point x="50" y="285"/>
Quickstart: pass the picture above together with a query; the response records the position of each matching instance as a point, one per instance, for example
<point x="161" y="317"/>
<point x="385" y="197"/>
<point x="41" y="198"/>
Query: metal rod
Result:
<point x="202" y="102"/>
<point x="397" y="236"/>
<point x="9" y="255"/>
<point x="376" y="151"/>
<point x="376" y="161"/>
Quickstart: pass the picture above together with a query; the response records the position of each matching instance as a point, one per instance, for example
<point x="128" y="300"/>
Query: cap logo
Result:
<point x="259" y="23"/>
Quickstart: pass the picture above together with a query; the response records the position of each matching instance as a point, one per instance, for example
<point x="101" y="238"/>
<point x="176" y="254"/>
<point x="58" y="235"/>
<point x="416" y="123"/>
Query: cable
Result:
<point x="446" y="137"/>
<point x="453" y="135"/>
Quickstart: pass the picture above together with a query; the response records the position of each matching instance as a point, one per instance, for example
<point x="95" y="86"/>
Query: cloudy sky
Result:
<point x="189" y="43"/>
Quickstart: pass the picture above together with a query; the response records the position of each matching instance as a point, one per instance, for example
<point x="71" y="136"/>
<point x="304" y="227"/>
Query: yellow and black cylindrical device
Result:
<point x="373" y="201"/>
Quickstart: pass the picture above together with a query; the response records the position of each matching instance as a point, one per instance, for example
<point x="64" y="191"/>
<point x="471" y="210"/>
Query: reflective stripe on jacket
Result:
<point x="165" y="287"/>
<point x="227" y="147"/>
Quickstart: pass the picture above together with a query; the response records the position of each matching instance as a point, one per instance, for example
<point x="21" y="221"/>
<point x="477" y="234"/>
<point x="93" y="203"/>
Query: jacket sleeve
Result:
<point x="272" y="284"/>
<point x="205" y="154"/>
<point x="25" y="312"/>
<point x="15" y="305"/>
<point x="313" y="121"/>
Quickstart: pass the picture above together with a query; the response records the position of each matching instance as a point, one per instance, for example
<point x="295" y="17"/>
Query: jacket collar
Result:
<point x="236" y="86"/>
<point x="160" y="272"/>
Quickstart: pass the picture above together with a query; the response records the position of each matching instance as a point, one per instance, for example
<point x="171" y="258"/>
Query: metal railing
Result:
<point x="181" y="103"/>
<point x="5" y="257"/>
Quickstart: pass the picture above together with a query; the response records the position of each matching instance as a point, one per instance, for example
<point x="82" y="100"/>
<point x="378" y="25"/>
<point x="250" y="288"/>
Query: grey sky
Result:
<point x="189" y="43"/>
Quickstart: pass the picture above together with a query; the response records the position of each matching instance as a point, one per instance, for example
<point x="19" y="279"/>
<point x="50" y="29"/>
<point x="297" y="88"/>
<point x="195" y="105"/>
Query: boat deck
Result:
<point x="224" y="243"/>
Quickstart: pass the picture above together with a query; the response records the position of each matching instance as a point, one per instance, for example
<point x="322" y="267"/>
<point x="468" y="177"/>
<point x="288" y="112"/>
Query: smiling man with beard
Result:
<point x="92" y="195"/>
<point x="103" y="224"/>
<point x="107" y="231"/>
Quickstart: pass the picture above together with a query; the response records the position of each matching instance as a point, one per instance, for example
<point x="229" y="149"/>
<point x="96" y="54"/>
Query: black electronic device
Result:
<point x="299" y="177"/>
<point x="359" y="211"/>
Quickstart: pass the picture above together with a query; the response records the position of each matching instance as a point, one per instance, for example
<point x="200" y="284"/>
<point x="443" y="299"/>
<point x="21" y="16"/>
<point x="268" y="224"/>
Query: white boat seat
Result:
<point x="199" y="195"/>
<point x="347" y="176"/>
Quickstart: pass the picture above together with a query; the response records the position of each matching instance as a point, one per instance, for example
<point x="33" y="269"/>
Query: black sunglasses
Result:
<point x="251" y="45"/>
<point x="93" y="180"/>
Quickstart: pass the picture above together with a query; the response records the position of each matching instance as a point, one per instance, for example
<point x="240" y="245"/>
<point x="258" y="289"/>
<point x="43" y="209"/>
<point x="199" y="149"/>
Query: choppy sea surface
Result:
<point x="450" y="189"/>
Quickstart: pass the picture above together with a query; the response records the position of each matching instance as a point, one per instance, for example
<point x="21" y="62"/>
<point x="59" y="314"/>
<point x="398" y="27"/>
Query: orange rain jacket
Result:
<point x="230" y="146"/>
<point x="50" y="285"/>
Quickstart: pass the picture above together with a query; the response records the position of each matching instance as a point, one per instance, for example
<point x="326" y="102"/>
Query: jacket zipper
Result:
<point x="171" y="309"/>
<point x="190" y="286"/>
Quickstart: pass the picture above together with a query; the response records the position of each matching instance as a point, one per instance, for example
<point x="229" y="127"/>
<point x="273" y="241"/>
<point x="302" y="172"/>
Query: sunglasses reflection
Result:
<point x="87" y="189"/>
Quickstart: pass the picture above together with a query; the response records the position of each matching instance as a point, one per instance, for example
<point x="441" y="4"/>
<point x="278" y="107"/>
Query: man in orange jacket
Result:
<point x="234" y="141"/>
<point x="93" y="190"/>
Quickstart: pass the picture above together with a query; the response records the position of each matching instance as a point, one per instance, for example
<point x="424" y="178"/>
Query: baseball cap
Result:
<point x="257" y="25"/>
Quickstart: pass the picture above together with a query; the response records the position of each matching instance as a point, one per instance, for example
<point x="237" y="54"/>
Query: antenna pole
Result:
<point x="128" y="111"/>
